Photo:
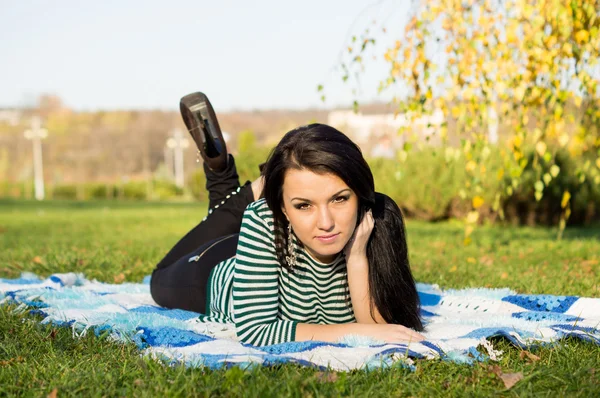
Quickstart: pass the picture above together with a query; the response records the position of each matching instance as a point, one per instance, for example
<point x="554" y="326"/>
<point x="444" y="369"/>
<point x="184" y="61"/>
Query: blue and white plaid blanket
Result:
<point x="458" y="324"/>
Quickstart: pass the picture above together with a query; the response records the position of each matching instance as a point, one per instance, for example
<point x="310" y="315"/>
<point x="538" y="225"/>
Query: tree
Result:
<point x="532" y="64"/>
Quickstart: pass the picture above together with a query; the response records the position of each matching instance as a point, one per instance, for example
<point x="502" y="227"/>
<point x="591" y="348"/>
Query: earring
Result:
<point x="291" y="253"/>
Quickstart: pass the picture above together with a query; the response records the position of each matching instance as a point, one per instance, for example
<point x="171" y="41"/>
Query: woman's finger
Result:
<point x="411" y="334"/>
<point x="410" y="338"/>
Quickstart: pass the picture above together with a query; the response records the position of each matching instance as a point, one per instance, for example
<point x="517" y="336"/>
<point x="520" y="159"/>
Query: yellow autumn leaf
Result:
<point x="478" y="201"/>
<point x="472" y="217"/>
<point x="453" y="268"/>
<point x="598" y="163"/>
<point x="547" y="178"/>
<point x="500" y="174"/>
<point x="468" y="230"/>
<point x="582" y="36"/>
<point x="470" y="166"/>
<point x="517" y="141"/>
<point x="565" y="199"/>
<point x="540" y="148"/>
<point x="554" y="170"/>
<point x="563" y="140"/>
<point x="471" y="260"/>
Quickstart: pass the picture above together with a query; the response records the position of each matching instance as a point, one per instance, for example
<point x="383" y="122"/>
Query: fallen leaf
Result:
<point x="119" y="278"/>
<point x="138" y="382"/>
<point x="471" y="260"/>
<point x="589" y="262"/>
<point x="327" y="377"/>
<point x="453" y="269"/>
<point x="53" y="393"/>
<point x="510" y="379"/>
<point x="526" y="354"/>
<point x="37" y="260"/>
<point x="504" y="275"/>
<point x="486" y="260"/>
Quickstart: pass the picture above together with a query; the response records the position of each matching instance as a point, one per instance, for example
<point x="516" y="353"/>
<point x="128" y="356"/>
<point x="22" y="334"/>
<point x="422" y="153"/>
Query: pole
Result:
<point x="178" y="143"/>
<point x="36" y="134"/>
<point x="169" y="162"/>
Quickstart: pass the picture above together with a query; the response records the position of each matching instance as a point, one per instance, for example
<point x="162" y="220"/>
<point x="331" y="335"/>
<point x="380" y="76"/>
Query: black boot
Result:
<point x="201" y="121"/>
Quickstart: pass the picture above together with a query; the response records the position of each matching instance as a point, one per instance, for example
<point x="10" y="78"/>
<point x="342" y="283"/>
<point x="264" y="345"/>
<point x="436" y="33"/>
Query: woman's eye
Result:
<point x="301" y="206"/>
<point x="340" y="199"/>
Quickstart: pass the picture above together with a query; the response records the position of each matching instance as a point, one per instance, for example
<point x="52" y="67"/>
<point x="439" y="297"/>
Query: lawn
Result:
<point x="121" y="241"/>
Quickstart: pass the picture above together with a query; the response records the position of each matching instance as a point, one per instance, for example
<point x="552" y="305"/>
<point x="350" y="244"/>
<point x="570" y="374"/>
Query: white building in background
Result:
<point x="10" y="116"/>
<point x="372" y="131"/>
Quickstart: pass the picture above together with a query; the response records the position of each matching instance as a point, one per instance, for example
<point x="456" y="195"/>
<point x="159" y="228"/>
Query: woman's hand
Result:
<point x="392" y="333"/>
<point x="357" y="245"/>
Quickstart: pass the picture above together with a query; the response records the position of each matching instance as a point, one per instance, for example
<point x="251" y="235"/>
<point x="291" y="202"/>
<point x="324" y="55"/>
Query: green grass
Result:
<point x="116" y="242"/>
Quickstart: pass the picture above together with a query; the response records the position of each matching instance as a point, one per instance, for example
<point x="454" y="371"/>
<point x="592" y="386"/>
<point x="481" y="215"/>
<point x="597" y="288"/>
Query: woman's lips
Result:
<point x="328" y="238"/>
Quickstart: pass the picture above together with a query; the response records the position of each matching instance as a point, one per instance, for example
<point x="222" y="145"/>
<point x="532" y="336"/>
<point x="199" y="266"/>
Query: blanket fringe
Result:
<point x="495" y="355"/>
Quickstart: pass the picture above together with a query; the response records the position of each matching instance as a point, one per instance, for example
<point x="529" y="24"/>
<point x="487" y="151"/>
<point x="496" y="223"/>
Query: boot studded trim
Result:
<point x="210" y="211"/>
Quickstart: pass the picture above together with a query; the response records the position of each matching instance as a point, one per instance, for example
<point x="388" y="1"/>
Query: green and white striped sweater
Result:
<point x="262" y="298"/>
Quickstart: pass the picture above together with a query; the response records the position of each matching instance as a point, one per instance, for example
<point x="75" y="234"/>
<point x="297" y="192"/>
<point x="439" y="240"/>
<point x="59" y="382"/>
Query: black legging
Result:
<point x="180" y="278"/>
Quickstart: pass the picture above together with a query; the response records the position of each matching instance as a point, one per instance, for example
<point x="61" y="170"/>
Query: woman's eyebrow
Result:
<point x="332" y="196"/>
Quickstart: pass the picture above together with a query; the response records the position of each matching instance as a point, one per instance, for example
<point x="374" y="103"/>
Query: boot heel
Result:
<point x="200" y="119"/>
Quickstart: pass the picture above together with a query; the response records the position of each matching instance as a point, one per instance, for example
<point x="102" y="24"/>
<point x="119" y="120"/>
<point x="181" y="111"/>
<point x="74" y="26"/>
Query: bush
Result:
<point x="523" y="208"/>
<point x="162" y="189"/>
<point x="64" y="191"/>
<point x="425" y="186"/>
<point x="426" y="183"/>
<point x="17" y="190"/>
<point x="100" y="191"/>
<point x="197" y="185"/>
<point x="134" y="190"/>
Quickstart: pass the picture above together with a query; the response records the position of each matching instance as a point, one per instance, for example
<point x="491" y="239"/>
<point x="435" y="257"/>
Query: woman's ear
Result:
<point x="285" y="213"/>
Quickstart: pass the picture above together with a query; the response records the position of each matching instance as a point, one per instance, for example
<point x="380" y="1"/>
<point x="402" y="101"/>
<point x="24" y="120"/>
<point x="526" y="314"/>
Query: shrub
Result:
<point x="163" y="189"/>
<point x="523" y="208"/>
<point x="425" y="186"/>
<point x="64" y="191"/>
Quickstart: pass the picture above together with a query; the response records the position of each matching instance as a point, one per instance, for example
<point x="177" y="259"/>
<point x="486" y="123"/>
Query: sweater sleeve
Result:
<point x="256" y="284"/>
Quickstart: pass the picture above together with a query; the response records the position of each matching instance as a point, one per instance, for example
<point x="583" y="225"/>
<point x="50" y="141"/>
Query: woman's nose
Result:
<point x="325" y="221"/>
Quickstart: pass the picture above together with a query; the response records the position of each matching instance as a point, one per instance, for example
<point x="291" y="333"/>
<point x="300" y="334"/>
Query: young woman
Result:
<point x="309" y="251"/>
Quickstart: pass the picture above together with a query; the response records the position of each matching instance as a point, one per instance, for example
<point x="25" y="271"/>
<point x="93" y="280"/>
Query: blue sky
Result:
<point x="135" y="54"/>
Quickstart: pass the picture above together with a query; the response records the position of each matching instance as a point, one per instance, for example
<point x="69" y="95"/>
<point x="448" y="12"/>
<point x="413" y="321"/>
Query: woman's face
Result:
<point x="322" y="210"/>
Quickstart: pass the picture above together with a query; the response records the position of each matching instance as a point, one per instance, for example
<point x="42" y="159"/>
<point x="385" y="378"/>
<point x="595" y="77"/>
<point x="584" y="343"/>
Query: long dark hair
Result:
<point x="323" y="149"/>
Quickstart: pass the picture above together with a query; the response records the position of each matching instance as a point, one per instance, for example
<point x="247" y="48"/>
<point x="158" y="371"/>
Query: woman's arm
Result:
<point x="332" y="333"/>
<point x="358" y="281"/>
<point x="256" y="283"/>
<point x="357" y="265"/>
